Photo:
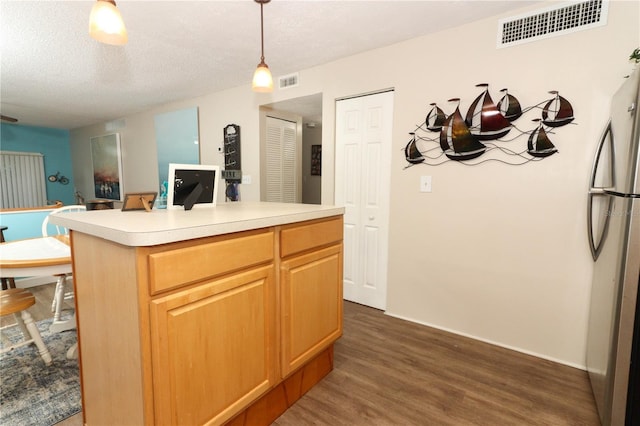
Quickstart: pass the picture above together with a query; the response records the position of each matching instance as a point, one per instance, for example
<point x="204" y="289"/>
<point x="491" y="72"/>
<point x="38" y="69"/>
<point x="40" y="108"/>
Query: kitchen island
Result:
<point x="209" y="316"/>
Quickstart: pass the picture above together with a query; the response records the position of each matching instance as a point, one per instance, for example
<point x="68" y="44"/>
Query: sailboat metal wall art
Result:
<point x="487" y="127"/>
<point x="456" y="138"/>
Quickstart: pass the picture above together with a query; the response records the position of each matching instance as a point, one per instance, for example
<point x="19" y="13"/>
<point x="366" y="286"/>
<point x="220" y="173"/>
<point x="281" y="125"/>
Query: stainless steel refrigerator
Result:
<point x="613" y="344"/>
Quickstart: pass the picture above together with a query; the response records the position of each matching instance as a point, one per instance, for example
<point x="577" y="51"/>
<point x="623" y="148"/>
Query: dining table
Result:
<point x="41" y="256"/>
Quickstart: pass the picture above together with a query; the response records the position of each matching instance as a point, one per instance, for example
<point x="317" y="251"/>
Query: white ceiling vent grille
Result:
<point x="551" y="22"/>
<point x="287" y="81"/>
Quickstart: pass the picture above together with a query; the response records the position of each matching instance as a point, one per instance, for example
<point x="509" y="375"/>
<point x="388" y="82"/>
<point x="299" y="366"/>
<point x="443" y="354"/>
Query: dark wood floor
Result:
<point x="393" y="372"/>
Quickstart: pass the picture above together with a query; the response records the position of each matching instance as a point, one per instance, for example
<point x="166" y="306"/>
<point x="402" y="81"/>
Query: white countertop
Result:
<point x="141" y="228"/>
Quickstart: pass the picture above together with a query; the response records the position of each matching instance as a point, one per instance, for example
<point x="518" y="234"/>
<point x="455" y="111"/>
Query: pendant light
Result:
<point x="262" y="80"/>
<point x="106" y="24"/>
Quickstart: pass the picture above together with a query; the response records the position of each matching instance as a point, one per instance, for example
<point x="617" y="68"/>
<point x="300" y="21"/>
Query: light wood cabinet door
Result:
<point x="311" y="305"/>
<point x="213" y="348"/>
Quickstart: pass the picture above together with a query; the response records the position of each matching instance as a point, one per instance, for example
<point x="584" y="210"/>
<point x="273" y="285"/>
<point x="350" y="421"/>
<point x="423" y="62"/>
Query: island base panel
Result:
<point x="270" y="406"/>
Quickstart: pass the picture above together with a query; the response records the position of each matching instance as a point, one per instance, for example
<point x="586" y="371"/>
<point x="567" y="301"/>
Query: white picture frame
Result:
<point x="187" y="175"/>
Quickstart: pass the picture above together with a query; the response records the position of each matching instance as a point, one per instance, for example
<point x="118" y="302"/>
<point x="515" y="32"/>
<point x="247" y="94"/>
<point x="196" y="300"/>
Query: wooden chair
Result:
<point x="16" y="301"/>
<point x="60" y="292"/>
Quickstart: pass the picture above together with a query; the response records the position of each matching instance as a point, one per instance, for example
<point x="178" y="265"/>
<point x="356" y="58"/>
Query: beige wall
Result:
<point x="495" y="252"/>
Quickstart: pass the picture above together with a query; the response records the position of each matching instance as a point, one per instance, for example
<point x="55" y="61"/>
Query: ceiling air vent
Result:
<point x="287" y="81"/>
<point x="551" y="22"/>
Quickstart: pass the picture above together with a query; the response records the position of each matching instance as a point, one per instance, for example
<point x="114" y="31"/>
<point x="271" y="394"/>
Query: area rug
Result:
<point x="32" y="393"/>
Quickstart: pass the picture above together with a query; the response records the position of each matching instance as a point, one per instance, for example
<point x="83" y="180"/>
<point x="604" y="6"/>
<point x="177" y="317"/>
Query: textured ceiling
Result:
<point x="54" y="75"/>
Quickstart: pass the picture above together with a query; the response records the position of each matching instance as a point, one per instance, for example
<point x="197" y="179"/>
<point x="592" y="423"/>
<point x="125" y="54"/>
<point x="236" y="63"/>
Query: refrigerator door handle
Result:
<point x="596" y="248"/>
<point x="594" y="192"/>
<point x="606" y="134"/>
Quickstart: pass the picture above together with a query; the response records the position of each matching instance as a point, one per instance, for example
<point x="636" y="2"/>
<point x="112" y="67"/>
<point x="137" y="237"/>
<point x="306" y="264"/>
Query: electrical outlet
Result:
<point x="246" y="179"/>
<point x="425" y="183"/>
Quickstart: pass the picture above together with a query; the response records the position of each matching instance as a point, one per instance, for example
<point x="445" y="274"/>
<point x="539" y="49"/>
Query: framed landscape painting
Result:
<point x="107" y="166"/>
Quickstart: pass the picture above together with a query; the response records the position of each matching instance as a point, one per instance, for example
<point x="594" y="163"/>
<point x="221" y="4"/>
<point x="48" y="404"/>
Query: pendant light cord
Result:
<point x="261" y="35"/>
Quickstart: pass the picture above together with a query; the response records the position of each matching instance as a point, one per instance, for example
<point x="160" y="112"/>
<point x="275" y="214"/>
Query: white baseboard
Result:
<point x="513" y="348"/>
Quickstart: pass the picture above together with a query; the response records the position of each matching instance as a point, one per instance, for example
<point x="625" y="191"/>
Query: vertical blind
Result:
<point x="22" y="181"/>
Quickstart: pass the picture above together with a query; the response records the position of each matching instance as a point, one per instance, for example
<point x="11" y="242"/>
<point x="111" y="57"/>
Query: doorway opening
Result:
<point x="306" y="113"/>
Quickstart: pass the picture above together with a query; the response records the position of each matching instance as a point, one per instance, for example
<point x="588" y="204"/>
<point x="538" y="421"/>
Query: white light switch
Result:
<point x="246" y="179"/>
<point x="425" y="183"/>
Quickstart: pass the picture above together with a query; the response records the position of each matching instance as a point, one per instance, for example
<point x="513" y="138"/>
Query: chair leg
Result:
<point x="55" y="296"/>
<point x="60" y="326"/>
<point x="21" y="326"/>
<point x="35" y="335"/>
<point x="8" y="283"/>
<point x="72" y="352"/>
<point x="58" y="298"/>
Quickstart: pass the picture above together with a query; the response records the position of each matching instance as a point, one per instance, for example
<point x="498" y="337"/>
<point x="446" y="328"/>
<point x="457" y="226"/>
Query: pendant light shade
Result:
<point x="106" y="24"/>
<point x="262" y="80"/>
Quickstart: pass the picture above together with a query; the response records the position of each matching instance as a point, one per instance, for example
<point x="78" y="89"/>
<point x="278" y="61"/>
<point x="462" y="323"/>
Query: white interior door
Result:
<point x="363" y="168"/>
